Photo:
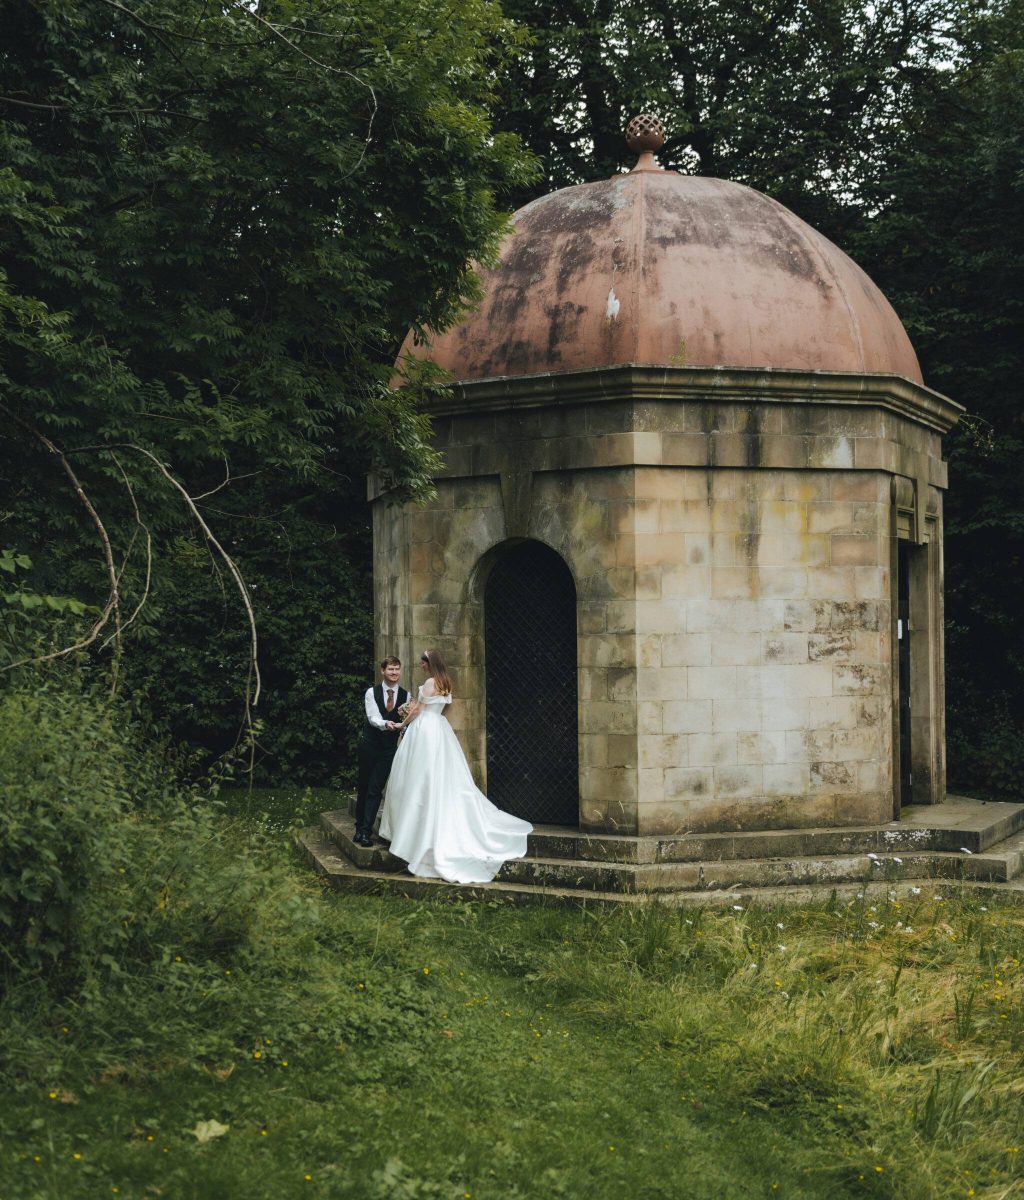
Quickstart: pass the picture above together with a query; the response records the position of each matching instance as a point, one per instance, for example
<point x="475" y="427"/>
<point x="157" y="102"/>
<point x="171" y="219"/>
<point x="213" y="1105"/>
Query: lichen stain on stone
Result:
<point x="835" y="773"/>
<point x="612" y="311"/>
<point x="830" y="645"/>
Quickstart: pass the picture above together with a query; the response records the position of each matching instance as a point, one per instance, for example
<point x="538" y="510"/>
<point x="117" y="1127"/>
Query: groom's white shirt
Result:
<point x="372" y="711"/>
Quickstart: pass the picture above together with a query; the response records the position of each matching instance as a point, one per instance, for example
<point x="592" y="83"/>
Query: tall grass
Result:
<point x="388" y="1048"/>
<point x="209" y="1023"/>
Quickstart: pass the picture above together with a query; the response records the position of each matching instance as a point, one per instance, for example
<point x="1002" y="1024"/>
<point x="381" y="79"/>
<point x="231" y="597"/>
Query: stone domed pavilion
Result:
<point x="685" y="558"/>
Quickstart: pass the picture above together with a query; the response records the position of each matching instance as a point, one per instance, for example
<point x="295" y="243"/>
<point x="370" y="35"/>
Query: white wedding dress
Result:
<point x="434" y="815"/>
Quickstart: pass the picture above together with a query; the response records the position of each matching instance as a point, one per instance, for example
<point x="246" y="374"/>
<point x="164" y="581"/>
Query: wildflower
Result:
<point x="263" y="1133"/>
<point x="964" y="850"/>
<point x="149" y="1137"/>
<point x="284" y="1063"/>
<point x="77" y="1157"/>
<point x="860" y="895"/>
<point x="879" y="1170"/>
<point x="308" y="1178"/>
<point x="873" y="857"/>
<point x="898" y="861"/>
<point x="738" y="907"/>
<point x="257" y="1054"/>
<point x="783" y="948"/>
<point x="916" y="891"/>
<point x="426" y="970"/>
<point x="177" y="958"/>
<point x="52" y="1095"/>
<point x="983" y="908"/>
<point x="612" y="1149"/>
<point x="780" y="925"/>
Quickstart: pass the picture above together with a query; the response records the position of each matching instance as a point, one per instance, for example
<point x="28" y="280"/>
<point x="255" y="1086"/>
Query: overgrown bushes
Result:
<point x="107" y="863"/>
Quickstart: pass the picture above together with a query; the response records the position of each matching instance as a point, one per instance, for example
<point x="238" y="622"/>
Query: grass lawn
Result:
<point x="398" y="1050"/>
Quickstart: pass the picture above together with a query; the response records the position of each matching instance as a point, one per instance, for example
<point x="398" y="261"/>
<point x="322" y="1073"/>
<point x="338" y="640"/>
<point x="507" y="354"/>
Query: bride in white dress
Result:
<point x="434" y="815"/>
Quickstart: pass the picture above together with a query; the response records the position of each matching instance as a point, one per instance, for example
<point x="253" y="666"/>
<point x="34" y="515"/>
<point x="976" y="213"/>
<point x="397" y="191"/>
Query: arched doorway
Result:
<point x="530" y="654"/>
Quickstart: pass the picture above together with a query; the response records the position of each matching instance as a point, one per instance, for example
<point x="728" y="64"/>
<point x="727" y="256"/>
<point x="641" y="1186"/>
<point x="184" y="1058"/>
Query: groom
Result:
<point x="378" y="745"/>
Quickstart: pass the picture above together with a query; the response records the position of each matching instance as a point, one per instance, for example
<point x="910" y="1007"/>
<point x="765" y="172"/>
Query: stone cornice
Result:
<point x="639" y="382"/>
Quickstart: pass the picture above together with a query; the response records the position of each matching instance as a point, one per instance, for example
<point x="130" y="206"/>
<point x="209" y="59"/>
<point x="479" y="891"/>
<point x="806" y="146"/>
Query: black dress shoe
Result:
<point x="363" y="839"/>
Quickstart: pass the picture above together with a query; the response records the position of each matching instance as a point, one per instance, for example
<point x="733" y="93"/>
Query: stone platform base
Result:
<point x="970" y="841"/>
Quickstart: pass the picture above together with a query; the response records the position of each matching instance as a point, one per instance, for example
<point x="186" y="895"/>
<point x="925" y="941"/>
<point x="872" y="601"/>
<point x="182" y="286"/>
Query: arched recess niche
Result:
<point x="529" y="665"/>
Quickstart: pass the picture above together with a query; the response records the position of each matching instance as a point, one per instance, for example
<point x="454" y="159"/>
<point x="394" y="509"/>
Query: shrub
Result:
<point x="105" y="859"/>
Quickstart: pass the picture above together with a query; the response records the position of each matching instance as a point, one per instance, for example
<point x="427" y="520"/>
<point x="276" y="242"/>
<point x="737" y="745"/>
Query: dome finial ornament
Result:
<point x="645" y="134"/>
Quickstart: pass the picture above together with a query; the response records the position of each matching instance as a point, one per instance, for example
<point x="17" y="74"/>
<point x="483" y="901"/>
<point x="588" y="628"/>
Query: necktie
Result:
<point x="391" y="699"/>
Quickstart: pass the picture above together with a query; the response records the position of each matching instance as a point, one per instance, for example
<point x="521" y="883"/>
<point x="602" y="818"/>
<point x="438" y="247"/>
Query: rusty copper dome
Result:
<point x="659" y="268"/>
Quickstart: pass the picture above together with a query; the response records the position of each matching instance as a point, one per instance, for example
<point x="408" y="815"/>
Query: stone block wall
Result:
<point x="731" y="536"/>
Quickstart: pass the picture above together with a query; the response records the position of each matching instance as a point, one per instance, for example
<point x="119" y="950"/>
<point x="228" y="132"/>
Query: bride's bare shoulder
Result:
<point x="429" y="687"/>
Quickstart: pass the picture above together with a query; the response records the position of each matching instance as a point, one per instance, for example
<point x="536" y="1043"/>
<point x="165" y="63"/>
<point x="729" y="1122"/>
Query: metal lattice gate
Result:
<point x="530" y="638"/>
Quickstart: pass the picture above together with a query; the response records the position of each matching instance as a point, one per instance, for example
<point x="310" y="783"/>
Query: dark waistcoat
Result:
<point x="384" y="739"/>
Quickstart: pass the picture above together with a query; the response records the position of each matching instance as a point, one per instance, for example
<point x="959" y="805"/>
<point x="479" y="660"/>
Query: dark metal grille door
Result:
<point x="530" y="640"/>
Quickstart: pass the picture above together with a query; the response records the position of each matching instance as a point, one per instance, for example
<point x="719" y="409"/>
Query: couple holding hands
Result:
<point x="434" y="815"/>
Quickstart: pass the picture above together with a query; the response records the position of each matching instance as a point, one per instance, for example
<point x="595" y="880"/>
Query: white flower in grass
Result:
<point x="860" y="895"/>
<point x="899" y="861"/>
<point x="873" y="925"/>
<point x="916" y="891"/>
<point x="780" y="925"/>
<point x="873" y="857"/>
<point x="738" y="907"/>
<point x="983" y="908"/>
<point x="782" y="948"/>
<point x="964" y="850"/>
<point x="907" y="929"/>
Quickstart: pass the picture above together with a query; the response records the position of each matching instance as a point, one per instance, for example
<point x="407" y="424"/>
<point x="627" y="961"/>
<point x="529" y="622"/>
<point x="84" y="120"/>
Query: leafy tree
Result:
<point x="217" y="222"/>
<point x="795" y="97"/>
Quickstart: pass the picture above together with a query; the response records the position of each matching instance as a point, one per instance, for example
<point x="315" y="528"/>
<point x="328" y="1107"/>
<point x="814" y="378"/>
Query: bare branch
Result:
<point x="227" y="480"/>
<point x="252" y="695"/>
<point x="113" y="605"/>
<point x="140" y="524"/>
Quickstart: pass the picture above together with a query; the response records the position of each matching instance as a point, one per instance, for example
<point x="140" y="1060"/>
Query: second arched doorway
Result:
<point x="530" y="656"/>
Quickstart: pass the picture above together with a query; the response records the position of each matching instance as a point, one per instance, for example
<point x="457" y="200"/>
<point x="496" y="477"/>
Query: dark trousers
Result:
<point x="374" y="769"/>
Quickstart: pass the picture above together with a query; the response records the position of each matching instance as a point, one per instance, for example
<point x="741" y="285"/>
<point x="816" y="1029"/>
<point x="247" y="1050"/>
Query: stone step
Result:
<point x="343" y="876"/>
<point x="1001" y="863"/>
<point x="957" y="825"/>
<point x="762" y="872"/>
<point x="974" y="825"/>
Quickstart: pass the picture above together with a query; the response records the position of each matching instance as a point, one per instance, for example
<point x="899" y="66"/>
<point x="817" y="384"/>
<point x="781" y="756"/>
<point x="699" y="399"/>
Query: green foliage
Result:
<point x="105" y="860"/>
<point x="26" y="617"/>
<point x="306" y="560"/>
<point x="217" y="224"/>
<point x="797" y="100"/>
<point x="371" y="1046"/>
